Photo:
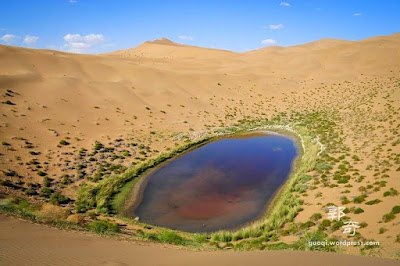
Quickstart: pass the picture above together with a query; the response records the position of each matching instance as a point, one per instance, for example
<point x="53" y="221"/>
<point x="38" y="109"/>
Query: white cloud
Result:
<point x="268" y="42"/>
<point x="94" y="38"/>
<point x="29" y="39"/>
<point x="186" y="38"/>
<point x="73" y="1"/>
<point x="8" y="38"/>
<point x="285" y="4"/>
<point x="357" y="14"/>
<point x="77" y="43"/>
<point x="276" y="27"/>
<point x="90" y="38"/>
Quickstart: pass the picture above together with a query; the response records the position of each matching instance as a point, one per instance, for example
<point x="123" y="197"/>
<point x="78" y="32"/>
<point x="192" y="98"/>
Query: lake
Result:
<point x="223" y="184"/>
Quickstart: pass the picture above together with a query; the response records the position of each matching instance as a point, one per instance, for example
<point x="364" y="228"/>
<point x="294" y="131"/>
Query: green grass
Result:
<point x="171" y="238"/>
<point x="313" y="237"/>
<point x="103" y="227"/>
<point x="120" y="198"/>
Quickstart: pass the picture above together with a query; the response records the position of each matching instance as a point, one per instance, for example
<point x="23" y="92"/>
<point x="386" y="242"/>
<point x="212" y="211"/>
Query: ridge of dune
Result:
<point x="323" y="44"/>
<point x="167" y="49"/>
<point x="163" y="41"/>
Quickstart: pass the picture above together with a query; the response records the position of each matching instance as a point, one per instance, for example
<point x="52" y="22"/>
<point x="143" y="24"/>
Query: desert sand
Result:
<point x="159" y="94"/>
<point x="29" y="243"/>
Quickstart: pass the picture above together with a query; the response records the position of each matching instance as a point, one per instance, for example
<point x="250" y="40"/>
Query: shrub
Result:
<point x="81" y="174"/>
<point x="53" y="212"/>
<point x="86" y="198"/>
<point x="45" y="192"/>
<point x="152" y="236"/>
<point x="345" y="200"/>
<point x="21" y="206"/>
<point x="75" y="218"/>
<point x="305" y="179"/>
<point x="396" y="209"/>
<point x="98" y="146"/>
<point x="200" y="238"/>
<point x="314" y="236"/>
<point x="46" y="181"/>
<point x="382" y="230"/>
<point x="9" y="173"/>
<point x="358" y="210"/>
<point x="57" y="198"/>
<point x="63" y="142"/>
<point x="388" y="217"/>
<point x="65" y="180"/>
<point x="391" y="192"/>
<point x="359" y="199"/>
<point x="363" y="224"/>
<point x="7" y="183"/>
<point x="41" y="173"/>
<point x="315" y="217"/>
<point x="171" y="238"/>
<point x="278" y="246"/>
<point x="336" y="225"/>
<point x="324" y="224"/>
<point x="373" y="202"/>
<point x="9" y="102"/>
<point x="301" y="188"/>
<point x="103" y="227"/>
<point x="323" y="166"/>
<point x="31" y="192"/>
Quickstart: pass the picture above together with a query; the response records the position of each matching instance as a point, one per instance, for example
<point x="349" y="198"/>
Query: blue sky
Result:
<point x="94" y="26"/>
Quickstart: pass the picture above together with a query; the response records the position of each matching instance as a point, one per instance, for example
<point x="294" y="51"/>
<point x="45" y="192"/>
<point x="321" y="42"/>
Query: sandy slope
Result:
<point x="23" y="243"/>
<point x="94" y="96"/>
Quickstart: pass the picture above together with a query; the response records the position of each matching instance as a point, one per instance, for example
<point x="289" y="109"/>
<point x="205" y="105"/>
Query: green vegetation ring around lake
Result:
<point x="114" y="194"/>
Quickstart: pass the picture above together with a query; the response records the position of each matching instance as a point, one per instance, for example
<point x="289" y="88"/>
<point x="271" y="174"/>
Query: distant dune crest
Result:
<point x="163" y="41"/>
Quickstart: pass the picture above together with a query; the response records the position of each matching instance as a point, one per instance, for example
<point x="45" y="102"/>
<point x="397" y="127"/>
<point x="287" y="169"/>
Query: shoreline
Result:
<point x="134" y="194"/>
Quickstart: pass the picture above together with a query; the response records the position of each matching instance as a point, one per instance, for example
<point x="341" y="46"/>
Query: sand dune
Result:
<point x="165" y="48"/>
<point x="25" y="243"/>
